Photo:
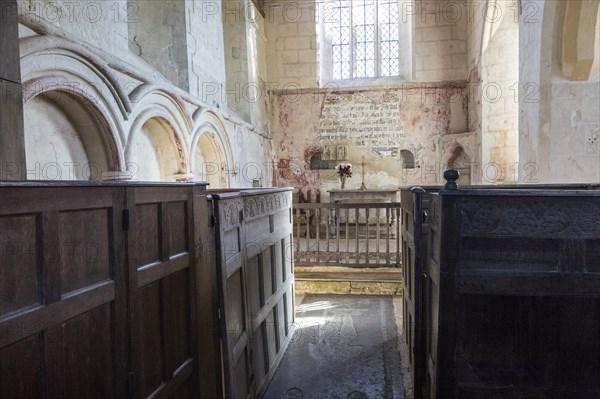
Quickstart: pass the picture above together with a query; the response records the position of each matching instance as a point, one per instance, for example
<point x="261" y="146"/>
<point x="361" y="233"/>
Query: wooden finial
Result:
<point x="451" y="177"/>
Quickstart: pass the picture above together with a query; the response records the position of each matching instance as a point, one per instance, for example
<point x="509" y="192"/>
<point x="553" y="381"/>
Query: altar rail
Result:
<point x="351" y="234"/>
<point x="505" y="285"/>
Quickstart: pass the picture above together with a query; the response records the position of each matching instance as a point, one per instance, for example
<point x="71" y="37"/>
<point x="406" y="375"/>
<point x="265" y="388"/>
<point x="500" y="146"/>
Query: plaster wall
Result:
<point x="103" y="24"/>
<point x="246" y="46"/>
<point x="54" y="149"/>
<point x="375" y="123"/>
<point x="560" y="121"/>
<point x="307" y="117"/>
<point x="205" y="48"/>
<point x="157" y="34"/>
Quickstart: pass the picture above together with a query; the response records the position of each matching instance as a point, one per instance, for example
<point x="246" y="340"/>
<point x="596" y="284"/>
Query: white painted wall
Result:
<point x="560" y="121"/>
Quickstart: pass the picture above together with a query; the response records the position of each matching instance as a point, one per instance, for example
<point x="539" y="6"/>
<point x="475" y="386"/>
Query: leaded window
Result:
<point x="365" y="38"/>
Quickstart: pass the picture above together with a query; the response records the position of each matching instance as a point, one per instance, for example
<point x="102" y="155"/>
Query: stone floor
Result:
<point x="344" y="347"/>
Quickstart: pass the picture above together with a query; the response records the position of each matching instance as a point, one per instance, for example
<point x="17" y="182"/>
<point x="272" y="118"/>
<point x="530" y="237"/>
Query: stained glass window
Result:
<point x="365" y="38"/>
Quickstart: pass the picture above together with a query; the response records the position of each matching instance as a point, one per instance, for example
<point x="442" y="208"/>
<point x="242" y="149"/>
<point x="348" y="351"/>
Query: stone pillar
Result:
<point x="580" y="55"/>
<point x="12" y="139"/>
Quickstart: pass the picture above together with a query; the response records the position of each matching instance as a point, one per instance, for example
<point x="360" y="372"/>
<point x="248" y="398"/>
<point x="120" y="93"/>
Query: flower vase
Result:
<point x="342" y="182"/>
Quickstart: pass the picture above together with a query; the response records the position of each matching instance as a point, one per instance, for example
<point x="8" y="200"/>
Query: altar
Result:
<point x="363" y="195"/>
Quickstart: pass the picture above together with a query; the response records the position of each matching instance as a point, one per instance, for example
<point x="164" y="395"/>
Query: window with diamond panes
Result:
<point x="365" y="38"/>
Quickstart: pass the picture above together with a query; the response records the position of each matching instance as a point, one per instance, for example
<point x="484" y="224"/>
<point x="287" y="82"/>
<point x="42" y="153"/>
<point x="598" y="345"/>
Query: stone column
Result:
<point x="12" y="139"/>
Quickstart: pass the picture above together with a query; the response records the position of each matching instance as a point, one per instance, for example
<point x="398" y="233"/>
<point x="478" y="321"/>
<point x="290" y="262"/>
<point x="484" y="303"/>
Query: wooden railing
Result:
<point x="352" y="234"/>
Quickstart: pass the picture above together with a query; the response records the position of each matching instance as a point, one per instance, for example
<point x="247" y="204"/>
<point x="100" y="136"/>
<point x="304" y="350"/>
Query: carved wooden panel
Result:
<point x="233" y="285"/>
<point x="518" y="294"/>
<point x="256" y="286"/>
<point x="531" y="216"/>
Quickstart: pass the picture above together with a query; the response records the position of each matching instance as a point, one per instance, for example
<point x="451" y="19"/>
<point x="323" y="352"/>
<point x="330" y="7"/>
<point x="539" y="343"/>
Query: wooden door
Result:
<point x="415" y="233"/>
<point x="267" y="226"/>
<point x="162" y="292"/>
<point x="231" y="276"/>
<point x="63" y="331"/>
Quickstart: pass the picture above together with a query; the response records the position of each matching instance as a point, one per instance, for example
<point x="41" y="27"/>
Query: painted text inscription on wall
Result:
<point x="363" y="119"/>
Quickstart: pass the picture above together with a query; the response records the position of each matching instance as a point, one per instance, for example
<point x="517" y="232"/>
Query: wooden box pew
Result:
<point x="507" y="300"/>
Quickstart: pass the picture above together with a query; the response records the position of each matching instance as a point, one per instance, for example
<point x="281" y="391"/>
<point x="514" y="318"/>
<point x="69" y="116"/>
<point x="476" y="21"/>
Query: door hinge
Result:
<point x="125" y="219"/>
<point x="131" y="383"/>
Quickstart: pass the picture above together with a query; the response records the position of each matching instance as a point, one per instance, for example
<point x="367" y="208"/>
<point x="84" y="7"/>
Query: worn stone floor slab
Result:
<point x="344" y="347"/>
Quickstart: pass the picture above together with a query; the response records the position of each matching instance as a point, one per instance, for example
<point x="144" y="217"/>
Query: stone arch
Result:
<point x="79" y="90"/>
<point x="461" y="161"/>
<point x="68" y="138"/>
<point x="160" y="126"/>
<point x="152" y="154"/>
<point x="211" y="151"/>
<point x="318" y="163"/>
<point x="580" y="40"/>
<point x="408" y="159"/>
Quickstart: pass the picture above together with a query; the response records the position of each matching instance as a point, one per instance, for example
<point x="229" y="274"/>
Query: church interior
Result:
<point x="188" y="187"/>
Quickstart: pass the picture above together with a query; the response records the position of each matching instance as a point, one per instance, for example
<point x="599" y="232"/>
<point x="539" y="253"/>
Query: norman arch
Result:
<point x="74" y="112"/>
<point x="211" y="151"/>
<point x="67" y="138"/>
<point x="158" y="136"/>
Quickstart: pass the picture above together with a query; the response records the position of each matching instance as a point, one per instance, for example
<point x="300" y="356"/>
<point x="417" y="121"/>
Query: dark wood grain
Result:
<point x="204" y="258"/>
<point x="162" y="291"/>
<point x="73" y="321"/>
<point x="510" y="293"/>
<point x="20" y="286"/>
<point x="10" y="68"/>
<point x="255" y="273"/>
<point x="65" y="324"/>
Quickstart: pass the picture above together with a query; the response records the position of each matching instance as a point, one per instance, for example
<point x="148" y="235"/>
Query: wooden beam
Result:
<point x="12" y="139"/>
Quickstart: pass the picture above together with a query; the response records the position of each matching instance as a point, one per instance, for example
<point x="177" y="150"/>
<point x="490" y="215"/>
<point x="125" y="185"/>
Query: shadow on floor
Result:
<point x="344" y="347"/>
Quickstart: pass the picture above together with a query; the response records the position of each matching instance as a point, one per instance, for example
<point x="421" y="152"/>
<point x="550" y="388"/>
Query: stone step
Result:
<point x="344" y="281"/>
